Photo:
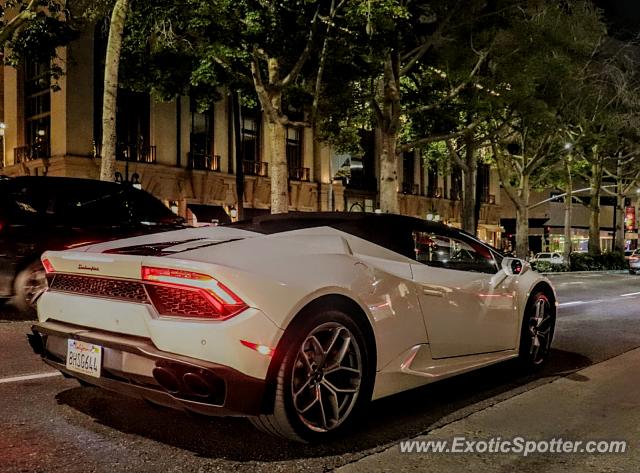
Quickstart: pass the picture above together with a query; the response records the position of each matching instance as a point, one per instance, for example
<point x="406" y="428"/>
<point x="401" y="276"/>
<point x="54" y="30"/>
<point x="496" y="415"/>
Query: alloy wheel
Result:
<point x="540" y="326"/>
<point x="326" y="378"/>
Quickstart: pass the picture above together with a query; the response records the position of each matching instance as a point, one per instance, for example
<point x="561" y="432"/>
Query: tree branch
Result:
<point x="419" y="51"/>
<point x="432" y="139"/>
<point x="453" y="152"/>
<point x="506" y="185"/>
<point x="454" y="92"/>
<point x="306" y="52"/>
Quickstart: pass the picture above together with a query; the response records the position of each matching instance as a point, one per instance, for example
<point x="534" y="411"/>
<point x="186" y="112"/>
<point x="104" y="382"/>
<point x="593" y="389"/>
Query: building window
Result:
<point x="432" y="183"/>
<point x="294" y="154"/>
<point x="37" y="107"/>
<point x="456" y="183"/>
<point x="250" y="135"/>
<point x="201" y="140"/>
<point x="408" y="173"/>
<point x="133" y="117"/>
<point x="483" y="182"/>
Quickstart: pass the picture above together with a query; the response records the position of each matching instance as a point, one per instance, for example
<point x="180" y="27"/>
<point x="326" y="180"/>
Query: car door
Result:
<point x="468" y="305"/>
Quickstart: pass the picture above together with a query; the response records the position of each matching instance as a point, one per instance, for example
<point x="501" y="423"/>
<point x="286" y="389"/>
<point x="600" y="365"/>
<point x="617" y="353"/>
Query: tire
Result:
<point x="538" y="326"/>
<point x="28" y="284"/>
<point x="631" y="271"/>
<point x="323" y="381"/>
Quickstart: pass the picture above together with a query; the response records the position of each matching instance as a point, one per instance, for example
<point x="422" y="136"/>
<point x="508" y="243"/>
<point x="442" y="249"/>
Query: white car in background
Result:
<point x="548" y="257"/>
<point x="297" y="320"/>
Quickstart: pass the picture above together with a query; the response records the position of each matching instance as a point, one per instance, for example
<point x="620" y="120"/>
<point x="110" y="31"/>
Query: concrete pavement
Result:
<point x="48" y="422"/>
<point x="601" y="402"/>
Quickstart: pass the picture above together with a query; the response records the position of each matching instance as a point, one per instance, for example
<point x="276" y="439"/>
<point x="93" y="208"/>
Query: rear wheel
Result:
<point x="28" y="285"/>
<point x="537" y="331"/>
<point x="323" y="380"/>
<point x="632" y="271"/>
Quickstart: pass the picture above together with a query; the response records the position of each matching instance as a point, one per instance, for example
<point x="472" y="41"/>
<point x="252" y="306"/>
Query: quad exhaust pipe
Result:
<point x="184" y="381"/>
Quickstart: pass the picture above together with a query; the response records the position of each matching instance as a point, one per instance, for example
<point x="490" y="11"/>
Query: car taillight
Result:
<point x="48" y="267"/>
<point x="634" y="258"/>
<point x="179" y="293"/>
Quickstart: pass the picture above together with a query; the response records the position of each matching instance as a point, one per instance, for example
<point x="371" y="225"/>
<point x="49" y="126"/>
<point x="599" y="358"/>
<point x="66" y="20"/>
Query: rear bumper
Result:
<point x="134" y="367"/>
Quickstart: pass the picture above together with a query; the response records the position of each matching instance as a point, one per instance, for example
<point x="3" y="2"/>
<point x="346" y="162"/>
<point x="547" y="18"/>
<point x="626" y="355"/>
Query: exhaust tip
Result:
<point x="196" y="385"/>
<point x="167" y="379"/>
<point x="36" y="343"/>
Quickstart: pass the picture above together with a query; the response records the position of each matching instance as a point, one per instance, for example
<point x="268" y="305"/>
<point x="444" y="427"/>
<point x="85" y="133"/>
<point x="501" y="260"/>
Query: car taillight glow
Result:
<point x="180" y="293"/>
<point x="48" y="267"/>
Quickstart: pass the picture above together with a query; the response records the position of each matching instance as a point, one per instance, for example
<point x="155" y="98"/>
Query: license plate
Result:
<point x="85" y="358"/>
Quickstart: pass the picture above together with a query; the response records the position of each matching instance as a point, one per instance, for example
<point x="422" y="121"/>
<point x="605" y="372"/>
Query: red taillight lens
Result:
<point x="48" y="267"/>
<point x="179" y="293"/>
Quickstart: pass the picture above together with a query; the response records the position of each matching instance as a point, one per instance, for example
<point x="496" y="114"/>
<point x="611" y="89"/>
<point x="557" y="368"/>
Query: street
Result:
<point x="49" y="423"/>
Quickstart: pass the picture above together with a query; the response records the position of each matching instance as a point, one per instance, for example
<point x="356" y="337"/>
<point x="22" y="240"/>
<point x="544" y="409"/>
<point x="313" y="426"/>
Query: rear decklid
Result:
<point x="171" y="242"/>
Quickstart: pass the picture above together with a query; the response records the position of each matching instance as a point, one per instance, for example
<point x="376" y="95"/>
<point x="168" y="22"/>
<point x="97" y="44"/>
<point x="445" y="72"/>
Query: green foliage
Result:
<point x="547" y="267"/>
<point x="33" y="31"/>
<point x="598" y="262"/>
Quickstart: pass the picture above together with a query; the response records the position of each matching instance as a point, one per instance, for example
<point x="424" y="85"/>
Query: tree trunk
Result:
<point x="279" y="171"/>
<point x="469" y="177"/>
<point x="618" y="244"/>
<point x="568" y="208"/>
<point x="235" y="107"/>
<point x="594" y="208"/>
<point x="388" y="173"/>
<point x="522" y="219"/>
<point x="522" y="232"/>
<point x="112" y="64"/>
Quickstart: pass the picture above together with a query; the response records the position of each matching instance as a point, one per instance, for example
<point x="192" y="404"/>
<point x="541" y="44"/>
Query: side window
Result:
<point x="27" y="205"/>
<point x="91" y="207"/>
<point x="449" y="252"/>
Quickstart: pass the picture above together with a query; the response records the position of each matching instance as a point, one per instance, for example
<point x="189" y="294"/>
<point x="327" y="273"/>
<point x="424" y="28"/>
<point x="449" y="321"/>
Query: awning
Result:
<point x="491" y="227"/>
<point x="209" y="213"/>
<point x="251" y="212"/>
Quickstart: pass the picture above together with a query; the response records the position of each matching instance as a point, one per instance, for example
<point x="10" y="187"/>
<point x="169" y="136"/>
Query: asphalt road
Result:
<point x="52" y="424"/>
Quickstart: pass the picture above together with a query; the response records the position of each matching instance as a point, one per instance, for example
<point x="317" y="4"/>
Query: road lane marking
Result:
<point x="630" y="294"/>
<point x="572" y="303"/>
<point x="595" y="301"/>
<point x="27" y="377"/>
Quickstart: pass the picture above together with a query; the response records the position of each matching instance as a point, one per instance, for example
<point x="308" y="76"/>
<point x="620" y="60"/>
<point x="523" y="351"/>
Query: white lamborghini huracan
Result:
<point x="295" y="320"/>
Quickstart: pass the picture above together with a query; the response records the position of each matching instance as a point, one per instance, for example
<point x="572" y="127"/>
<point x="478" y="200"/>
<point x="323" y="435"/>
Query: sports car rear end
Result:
<point x="169" y="331"/>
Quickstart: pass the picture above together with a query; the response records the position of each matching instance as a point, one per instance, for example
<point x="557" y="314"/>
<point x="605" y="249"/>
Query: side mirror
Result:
<point x="514" y="266"/>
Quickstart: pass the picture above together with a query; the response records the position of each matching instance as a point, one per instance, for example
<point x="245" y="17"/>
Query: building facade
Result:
<point x="187" y="157"/>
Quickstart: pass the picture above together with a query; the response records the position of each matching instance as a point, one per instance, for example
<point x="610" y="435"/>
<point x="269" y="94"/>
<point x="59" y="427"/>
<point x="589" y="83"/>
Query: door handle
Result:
<point x="432" y="292"/>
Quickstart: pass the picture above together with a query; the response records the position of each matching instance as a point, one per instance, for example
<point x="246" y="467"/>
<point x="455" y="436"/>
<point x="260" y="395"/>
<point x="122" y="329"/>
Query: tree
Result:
<point x="413" y="35"/>
<point x="605" y="112"/>
<point x="545" y="68"/>
<point x="112" y="63"/>
<point x="271" y="52"/>
<point x="34" y="29"/>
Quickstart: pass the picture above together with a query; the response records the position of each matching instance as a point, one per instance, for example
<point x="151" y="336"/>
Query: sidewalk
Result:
<point x="601" y="402"/>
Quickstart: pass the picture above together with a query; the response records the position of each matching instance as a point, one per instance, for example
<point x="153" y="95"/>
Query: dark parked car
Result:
<point x="45" y="213"/>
